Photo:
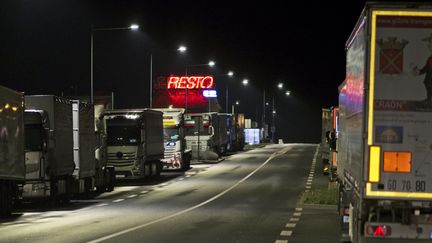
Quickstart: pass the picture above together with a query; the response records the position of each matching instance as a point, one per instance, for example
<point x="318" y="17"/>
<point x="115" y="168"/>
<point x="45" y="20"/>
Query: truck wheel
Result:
<point x="155" y="170"/>
<point x="6" y="199"/>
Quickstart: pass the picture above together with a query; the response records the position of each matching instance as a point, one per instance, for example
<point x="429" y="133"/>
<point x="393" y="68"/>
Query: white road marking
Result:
<point x="294" y="219"/>
<point x="290" y="225"/>
<point x="188" y="176"/>
<point x="180" y="179"/>
<point x="286" y="233"/>
<point x="308" y="187"/>
<point x="274" y="155"/>
<point x="131" y="196"/>
<point x="118" y="200"/>
<point x="299" y="209"/>
<point x="101" y="205"/>
<point x="297" y="214"/>
<point x="144" y="192"/>
<point x="281" y="241"/>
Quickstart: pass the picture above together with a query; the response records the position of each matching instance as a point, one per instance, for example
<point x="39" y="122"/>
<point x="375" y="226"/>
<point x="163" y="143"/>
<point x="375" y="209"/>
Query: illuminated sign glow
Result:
<point x="191" y="82"/>
<point x="210" y="93"/>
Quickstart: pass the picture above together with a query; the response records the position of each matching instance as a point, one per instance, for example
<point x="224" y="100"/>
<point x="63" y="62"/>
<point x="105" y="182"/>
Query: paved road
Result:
<point x="249" y="197"/>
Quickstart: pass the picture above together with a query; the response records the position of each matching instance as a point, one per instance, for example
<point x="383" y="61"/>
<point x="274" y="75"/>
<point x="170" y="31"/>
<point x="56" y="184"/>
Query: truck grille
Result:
<point x="169" y="152"/>
<point x="126" y="160"/>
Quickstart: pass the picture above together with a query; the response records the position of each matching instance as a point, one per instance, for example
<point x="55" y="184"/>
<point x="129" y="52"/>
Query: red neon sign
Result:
<point x="191" y="82"/>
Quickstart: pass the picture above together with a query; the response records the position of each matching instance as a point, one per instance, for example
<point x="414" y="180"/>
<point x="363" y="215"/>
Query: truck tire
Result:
<point x="186" y="162"/>
<point x="111" y="179"/>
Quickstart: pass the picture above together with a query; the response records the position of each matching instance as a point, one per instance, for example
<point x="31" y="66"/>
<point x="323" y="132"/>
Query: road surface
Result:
<point x="248" y="197"/>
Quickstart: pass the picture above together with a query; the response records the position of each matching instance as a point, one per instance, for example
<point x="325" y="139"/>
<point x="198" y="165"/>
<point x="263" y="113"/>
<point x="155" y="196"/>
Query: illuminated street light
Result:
<point x="237" y="102"/>
<point x="131" y="27"/>
<point x="230" y="73"/>
<point x="210" y="64"/>
<point x="134" y="27"/>
<point x="280" y="85"/>
<point x="288" y="93"/>
<point x="182" y="49"/>
<point x="245" y="82"/>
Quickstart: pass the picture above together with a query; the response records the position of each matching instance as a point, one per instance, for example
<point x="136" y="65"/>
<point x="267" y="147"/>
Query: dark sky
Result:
<point x="45" y="49"/>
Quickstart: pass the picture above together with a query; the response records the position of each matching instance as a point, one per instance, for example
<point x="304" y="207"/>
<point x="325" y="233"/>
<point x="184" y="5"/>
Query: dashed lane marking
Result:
<point x="297" y="214"/>
<point x="294" y="219"/>
<point x="144" y="192"/>
<point x="113" y="235"/>
<point x="298" y="209"/>
<point x="101" y="205"/>
<point x="286" y="233"/>
<point x="131" y="196"/>
<point x="281" y="241"/>
<point x="290" y="225"/>
<point x="118" y="200"/>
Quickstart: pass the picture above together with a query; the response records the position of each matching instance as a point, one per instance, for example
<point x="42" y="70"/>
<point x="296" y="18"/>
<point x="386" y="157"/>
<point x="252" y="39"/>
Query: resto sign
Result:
<point x="190" y="82"/>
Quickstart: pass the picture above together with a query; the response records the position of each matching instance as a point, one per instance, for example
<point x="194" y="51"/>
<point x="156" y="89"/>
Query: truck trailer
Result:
<point x="176" y="155"/>
<point x="326" y="127"/>
<point x="135" y="142"/>
<point x="206" y="135"/>
<point x="49" y="147"/>
<point x="91" y="171"/>
<point x="12" y="163"/>
<point x="385" y="136"/>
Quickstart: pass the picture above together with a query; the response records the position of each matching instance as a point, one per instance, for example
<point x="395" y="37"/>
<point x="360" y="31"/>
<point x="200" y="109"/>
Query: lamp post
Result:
<point x="210" y="64"/>
<point x="273" y="128"/>
<point x="131" y="27"/>
<point x="280" y="86"/>
<point x="182" y="49"/>
<point x="230" y="74"/>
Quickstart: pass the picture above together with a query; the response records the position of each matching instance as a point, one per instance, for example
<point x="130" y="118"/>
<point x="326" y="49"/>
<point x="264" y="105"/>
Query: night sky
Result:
<point x="45" y="49"/>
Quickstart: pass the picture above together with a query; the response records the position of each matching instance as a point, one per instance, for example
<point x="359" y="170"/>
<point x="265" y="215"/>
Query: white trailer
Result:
<point x="49" y="147"/>
<point x="385" y="136"/>
<point x="206" y="135"/>
<point x="12" y="165"/>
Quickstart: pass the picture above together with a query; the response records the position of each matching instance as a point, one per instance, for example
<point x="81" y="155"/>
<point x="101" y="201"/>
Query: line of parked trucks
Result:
<point x="56" y="148"/>
<point x="378" y="141"/>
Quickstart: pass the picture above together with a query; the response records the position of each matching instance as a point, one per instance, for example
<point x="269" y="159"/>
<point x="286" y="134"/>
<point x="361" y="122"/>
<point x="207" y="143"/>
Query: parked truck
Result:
<point x="91" y="171"/>
<point x="176" y="155"/>
<point x="135" y="142"/>
<point x="239" y="126"/>
<point x="332" y="141"/>
<point x="206" y="135"/>
<point x="326" y="127"/>
<point x="49" y="147"/>
<point x="12" y="163"/>
<point x="385" y="138"/>
<point x="104" y="174"/>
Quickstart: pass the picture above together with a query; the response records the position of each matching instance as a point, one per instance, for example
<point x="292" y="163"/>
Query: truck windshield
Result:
<point x="34" y="138"/>
<point x="171" y="133"/>
<point x="195" y="126"/>
<point x="123" y="133"/>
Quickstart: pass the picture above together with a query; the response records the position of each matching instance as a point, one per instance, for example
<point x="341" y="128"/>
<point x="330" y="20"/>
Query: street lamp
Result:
<point x="230" y="73"/>
<point x="131" y="27"/>
<point x="280" y="85"/>
<point x="210" y="64"/>
<point x="237" y="103"/>
<point x="245" y="82"/>
<point x="182" y="49"/>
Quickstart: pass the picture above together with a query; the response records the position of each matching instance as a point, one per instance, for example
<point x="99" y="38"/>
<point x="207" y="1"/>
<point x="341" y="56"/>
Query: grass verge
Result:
<point x="326" y="196"/>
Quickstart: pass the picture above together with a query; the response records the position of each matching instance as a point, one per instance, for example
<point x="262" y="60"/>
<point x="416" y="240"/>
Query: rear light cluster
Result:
<point x="378" y="230"/>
